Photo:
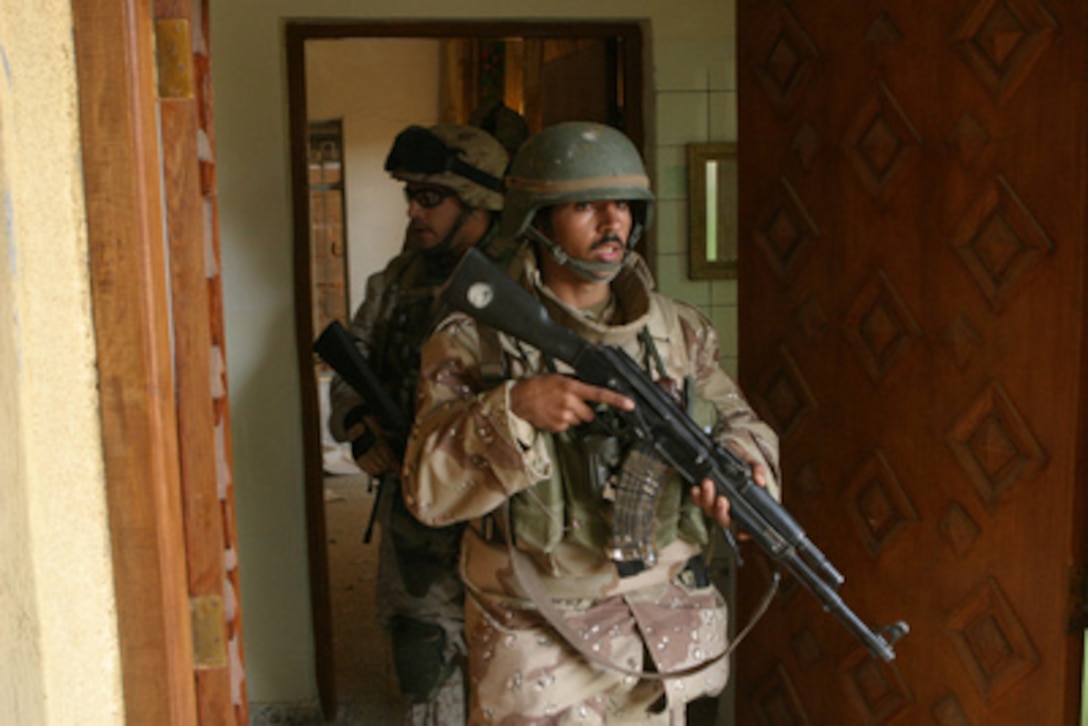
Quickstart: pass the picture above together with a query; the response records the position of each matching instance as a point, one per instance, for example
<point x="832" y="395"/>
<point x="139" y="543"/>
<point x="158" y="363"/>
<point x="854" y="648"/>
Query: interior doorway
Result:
<point x="352" y="88"/>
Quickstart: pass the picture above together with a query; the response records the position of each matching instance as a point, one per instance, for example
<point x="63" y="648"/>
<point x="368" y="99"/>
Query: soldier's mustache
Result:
<point x="608" y="238"/>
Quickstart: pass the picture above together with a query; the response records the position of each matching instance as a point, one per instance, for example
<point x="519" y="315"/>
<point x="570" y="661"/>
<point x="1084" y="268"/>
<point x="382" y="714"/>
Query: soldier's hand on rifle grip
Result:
<point x="554" y="402"/>
<point x="371" y="448"/>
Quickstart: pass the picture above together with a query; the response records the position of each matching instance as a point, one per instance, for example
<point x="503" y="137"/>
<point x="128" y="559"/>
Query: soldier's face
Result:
<point x="432" y="213"/>
<point x="596" y="231"/>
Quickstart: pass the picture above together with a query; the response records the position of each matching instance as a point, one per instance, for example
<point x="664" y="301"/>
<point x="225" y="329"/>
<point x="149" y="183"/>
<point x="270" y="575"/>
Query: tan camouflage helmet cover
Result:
<point x="476" y="148"/>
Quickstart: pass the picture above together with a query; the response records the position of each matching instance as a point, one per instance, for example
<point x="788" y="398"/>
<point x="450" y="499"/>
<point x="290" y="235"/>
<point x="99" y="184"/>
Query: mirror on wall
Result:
<point x="712" y="211"/>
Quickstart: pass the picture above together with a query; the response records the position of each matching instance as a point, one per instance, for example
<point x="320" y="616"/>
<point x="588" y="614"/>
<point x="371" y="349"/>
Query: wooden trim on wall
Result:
<point x="121" y="165"/>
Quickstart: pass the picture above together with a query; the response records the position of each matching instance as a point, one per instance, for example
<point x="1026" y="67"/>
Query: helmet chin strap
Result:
<point x="588" y="270"/>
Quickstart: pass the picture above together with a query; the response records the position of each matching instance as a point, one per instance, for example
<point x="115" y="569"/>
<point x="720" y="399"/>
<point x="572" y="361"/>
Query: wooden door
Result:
<point x="912" y="221"/>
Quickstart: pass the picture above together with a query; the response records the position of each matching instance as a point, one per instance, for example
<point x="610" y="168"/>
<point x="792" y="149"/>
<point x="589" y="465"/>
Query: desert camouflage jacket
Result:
<point x="470" y="459"/>
<point x="469" y="455"/>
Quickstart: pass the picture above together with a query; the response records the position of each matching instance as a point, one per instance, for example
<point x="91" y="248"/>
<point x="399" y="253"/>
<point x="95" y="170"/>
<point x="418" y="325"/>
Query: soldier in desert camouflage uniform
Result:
<point x="558" y="632"/>
<point x="453" y="181"/>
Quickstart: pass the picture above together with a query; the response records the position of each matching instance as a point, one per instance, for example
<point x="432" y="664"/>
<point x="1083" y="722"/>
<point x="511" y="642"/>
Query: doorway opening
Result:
<point x="368" y="81"/>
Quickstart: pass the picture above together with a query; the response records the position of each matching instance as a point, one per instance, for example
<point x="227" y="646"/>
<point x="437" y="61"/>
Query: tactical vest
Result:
<point x="568" y="507"/>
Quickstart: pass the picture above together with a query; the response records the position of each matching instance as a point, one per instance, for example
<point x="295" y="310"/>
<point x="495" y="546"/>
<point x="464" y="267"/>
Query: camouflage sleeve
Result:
<point x="738" y="426"/>
<point x="464" y="456"/>
<point x="342" y="398"/>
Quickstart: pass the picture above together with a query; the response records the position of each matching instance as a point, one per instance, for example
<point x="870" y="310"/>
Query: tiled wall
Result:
<point x="696" y="101"/>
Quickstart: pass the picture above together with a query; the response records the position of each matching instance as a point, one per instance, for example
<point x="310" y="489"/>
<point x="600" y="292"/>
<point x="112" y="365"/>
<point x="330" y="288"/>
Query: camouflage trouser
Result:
<point x="523" y="673"/>
<point x="427" y="631"/>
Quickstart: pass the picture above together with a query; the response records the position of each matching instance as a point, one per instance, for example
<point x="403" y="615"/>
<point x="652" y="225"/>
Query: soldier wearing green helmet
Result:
<point x="452" y="177"/>
<point x="561" y="625"/>
<point x="576" y="163"/>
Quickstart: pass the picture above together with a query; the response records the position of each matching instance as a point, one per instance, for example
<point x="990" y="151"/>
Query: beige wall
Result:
<point x="691" y="98"/>
<point x="341" y="83"/>
<point x="57" y="617"/>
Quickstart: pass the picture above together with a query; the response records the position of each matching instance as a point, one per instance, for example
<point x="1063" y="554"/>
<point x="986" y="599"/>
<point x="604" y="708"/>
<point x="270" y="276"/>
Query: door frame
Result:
<point x="297" y="33"/>
<point x="115" y="65"/>
<point x="165" y="427"/>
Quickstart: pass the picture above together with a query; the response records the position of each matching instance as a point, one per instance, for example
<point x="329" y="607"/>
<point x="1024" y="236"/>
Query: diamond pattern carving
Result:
<point x="994" y="445"/>
<point x="811" y="319"/>
<point x="782" y="396"/>
<point x="879" y="327"/>
<point x="1000" y="241"/>
<point x="878" y="506"/>
<point x="776" y="700"/>
<point x="1001" y="40"/>
<point x="991" y="640"/>
<point x="880" y="143"/>
<point x="786" y="62"/>
<point x="807" y="144"/>
<point x="785" y="230"/>
<point x="968" y="139"/>
<point x="883" y="31"/>
<point x="876" y="689"/>
<point x="949" y="712"/>
<point x="962" y="340"/>
<point x="958" y="529"/>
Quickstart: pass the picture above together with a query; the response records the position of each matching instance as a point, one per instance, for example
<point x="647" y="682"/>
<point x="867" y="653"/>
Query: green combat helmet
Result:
<point x="576" y="162"/>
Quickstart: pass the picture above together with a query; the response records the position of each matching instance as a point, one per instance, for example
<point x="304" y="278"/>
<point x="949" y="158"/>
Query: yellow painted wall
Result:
<point x="60" y="661"/>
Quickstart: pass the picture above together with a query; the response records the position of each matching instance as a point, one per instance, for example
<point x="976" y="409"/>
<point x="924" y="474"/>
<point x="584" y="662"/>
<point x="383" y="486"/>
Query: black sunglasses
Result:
<point x="418" y="151"/>
<point x="427" y="197"/>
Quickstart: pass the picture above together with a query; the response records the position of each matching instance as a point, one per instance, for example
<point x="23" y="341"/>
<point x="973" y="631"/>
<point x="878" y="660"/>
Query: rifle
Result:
<point x="483" y="291"/>
<point x="336" y="346"/>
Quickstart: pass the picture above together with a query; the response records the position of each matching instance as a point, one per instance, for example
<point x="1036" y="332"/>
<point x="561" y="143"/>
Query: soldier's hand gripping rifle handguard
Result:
<point x="481" y="290"/>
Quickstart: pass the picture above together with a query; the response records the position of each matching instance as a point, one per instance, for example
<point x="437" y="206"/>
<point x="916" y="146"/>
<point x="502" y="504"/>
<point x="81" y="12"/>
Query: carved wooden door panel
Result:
<point x="912" y="222"/>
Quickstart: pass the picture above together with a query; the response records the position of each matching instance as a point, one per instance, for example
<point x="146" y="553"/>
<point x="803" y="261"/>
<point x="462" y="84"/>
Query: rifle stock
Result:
<point x="481" y="290"/>
<point x="336" y="346"/>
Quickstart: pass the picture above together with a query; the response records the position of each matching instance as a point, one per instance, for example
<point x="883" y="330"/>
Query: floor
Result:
<point x="365" y="684"/>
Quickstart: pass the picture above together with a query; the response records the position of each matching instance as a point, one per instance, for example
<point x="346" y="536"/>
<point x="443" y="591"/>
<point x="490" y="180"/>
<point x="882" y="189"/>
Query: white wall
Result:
<point x="375" y="107"/>
<point x="691" y="97"/>
<point x="61" y="659"/>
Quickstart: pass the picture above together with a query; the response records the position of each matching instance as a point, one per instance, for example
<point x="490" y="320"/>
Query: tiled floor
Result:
<point x="365" y="685"/>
